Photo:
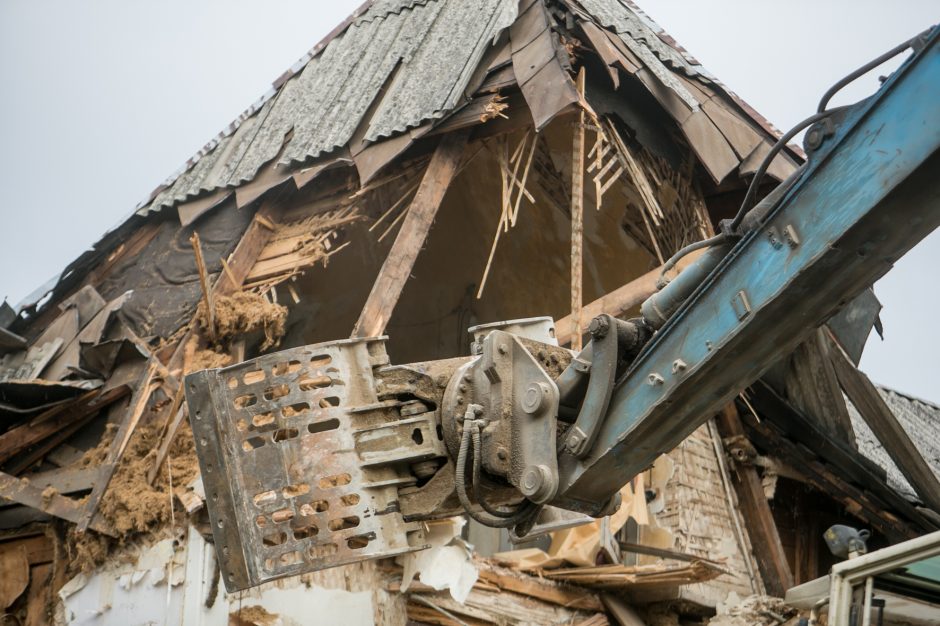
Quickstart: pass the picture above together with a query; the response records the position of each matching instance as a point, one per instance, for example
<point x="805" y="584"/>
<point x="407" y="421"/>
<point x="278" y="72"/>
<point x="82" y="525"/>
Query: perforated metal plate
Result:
<point x="301" y="462"/>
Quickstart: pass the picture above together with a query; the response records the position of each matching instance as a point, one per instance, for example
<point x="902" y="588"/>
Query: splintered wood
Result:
<point x="637" y="577"/>
<point x="298" y="245"/>
<point x="512" y="189"/>
<point x="503" y="595"/>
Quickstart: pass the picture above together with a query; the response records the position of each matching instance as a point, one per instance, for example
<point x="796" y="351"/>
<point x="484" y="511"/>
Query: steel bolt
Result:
<point x="535" y="397"/>
<point x="655" y="379"/>
<point x="599" y="327"/>
<point x="679" y="366"/>
<point x="533" y="480"/>
<point x="502" y="454"/>
<point x="503" y="348"/>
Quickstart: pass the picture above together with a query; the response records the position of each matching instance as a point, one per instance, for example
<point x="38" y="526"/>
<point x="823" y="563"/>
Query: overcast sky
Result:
<point x="102" y="100"/>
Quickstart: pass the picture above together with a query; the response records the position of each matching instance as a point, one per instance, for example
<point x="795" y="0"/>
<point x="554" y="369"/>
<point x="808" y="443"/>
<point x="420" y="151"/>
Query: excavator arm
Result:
<point x="328" y="454"/>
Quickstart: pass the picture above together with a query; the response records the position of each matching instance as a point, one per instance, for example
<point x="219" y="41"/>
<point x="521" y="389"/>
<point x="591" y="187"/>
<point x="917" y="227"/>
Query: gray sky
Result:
<point x="103" y="100"/>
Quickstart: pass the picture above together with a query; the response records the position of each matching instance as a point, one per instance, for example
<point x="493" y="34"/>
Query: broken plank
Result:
<point x="165" y="443"/>
<point x="239" y="262"/>
<point x="39" y="452"/>
<point x="48" y="501"/>
<point x="877" y="414"/>
<point x="549" y="591"/>
<point x="758" y="518"/>
<point x="411" y="237"/>
<point x="39" y="548"/>
<point x="65" y="481"/>
<point x="54" y="420"/>
<point x="39" y="596"/>
<point x="204" y="283"/>
<point x="138" y="406"/>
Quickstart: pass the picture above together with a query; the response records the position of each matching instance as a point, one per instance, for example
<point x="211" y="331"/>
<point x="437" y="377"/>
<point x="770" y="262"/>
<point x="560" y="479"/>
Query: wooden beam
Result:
<point x="411" y="236"/>
<point x="135" y="411"/>
<point x="207" y="299"/>
<point x="622" y="299"/>
<point x="831" y="466"/>
<point x="54" y="420"/>
<point x="812" y="387"/>
<point x="877" y="414"/>
<point x="21" y="491"/>
<point x="577" y="225"/>
<point x="759" y="519"/>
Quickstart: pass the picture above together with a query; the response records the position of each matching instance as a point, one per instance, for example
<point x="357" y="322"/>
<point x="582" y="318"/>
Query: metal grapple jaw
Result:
<point x="326" y="454"/>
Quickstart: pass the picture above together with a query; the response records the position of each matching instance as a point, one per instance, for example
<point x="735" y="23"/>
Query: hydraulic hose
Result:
<point x="461" y="486"/>
<point x="475" y="438"/>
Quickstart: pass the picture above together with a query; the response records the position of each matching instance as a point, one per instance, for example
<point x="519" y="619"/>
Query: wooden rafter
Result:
<point x="411" y="237"/>
<point x="877" y="414"/>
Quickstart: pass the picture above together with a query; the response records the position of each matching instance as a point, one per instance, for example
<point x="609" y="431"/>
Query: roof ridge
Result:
<point x="908" y="396"/>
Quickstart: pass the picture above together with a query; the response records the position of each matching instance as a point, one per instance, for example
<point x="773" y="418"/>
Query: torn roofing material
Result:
<point x="409" y="61"/>
<point x="417" y="57"/>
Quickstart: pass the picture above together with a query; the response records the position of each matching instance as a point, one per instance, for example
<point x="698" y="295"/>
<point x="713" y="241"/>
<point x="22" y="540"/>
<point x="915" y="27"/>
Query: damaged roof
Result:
<point x="394" y="65"/>
<point x="409" y="59"/>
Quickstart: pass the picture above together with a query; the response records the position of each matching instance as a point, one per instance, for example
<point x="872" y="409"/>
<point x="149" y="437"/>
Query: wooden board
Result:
<point x="758" y="518"/>
<point x="411" y="237"/>
<point x="877" y="414"/>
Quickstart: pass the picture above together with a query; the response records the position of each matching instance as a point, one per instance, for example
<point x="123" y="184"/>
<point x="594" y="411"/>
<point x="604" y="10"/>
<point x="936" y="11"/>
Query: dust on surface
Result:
<point x="753" y="611"/>
<point x="252" y="616"/>
<point x="131" y="505"/>
<point x="47" y="494"/>
<point x="196" y="357"/>
<point x="245" y="312"/>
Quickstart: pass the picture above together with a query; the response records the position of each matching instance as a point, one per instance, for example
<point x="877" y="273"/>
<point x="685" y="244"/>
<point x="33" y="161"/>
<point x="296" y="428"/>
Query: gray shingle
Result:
<point x="417" y="54"/>
<point x="921" y="421"/>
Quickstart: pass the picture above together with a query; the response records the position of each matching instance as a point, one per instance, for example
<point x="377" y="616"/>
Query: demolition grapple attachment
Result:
<point x="302" y="457"/>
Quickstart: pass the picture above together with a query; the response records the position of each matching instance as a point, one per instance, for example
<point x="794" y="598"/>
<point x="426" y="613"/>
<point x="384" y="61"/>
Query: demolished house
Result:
<point x="429" y="166"/>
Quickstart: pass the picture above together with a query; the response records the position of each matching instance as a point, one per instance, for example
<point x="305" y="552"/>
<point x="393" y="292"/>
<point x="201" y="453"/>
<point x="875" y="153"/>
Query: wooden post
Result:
<point x="577" y="221"/>
<point x="877" y="414"/>
<point x="204" y="282"/>
<point x="411" y="236"/>
<point x="758" y="517"/>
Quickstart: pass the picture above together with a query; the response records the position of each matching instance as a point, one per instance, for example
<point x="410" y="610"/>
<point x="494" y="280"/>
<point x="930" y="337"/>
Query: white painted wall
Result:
<point x="132" y="595"/>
